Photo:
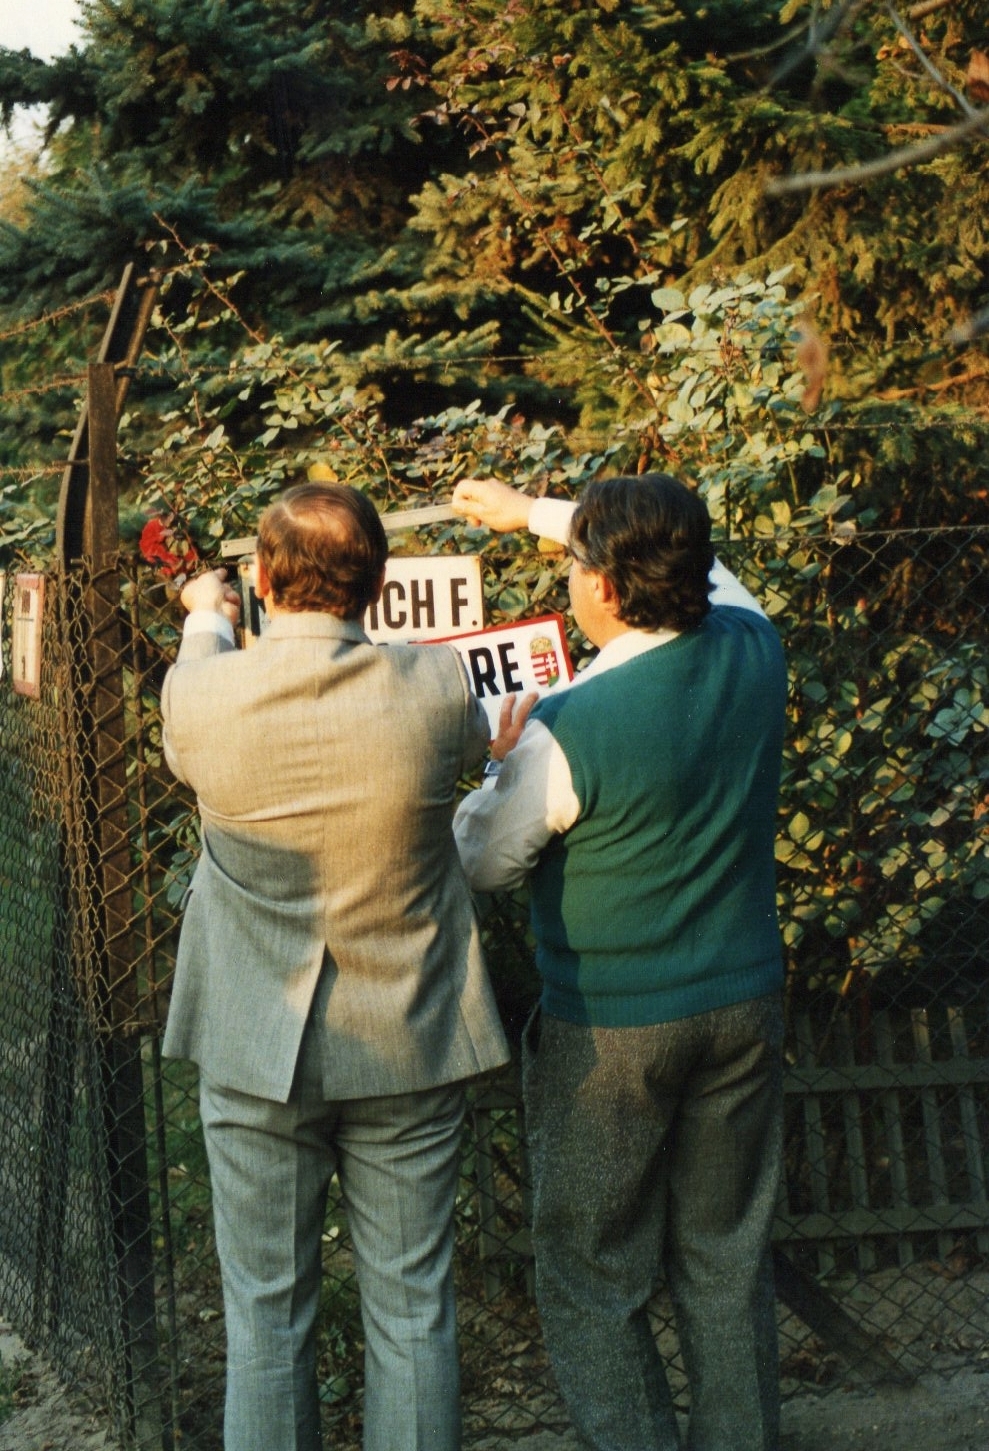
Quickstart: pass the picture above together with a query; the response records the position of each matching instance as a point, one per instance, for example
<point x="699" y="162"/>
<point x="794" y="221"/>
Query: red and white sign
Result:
<point x="514" y="659"/>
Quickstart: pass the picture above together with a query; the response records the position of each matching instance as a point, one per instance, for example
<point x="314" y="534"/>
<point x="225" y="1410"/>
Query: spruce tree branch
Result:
<point x="903" y="156"/>
<point x="959" y="380"/>
<point x="480" y="124"/>
<point x="819" y="35"/>
<point x="963" y="102"/>
<point x="882" y="165"/>
<point x="927" y="7"/>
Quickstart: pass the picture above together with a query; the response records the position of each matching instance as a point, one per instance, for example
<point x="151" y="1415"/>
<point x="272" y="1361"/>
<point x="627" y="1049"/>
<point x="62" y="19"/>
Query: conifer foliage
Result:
<point x="484" y="201"/>
<point x="261" y="128"/>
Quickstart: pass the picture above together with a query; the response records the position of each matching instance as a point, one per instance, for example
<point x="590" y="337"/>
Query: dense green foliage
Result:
<point x="407" y="242"/>
<point x="475" y="199"/>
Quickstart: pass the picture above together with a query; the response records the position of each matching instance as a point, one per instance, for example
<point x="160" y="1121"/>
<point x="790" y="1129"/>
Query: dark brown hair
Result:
<point x="650" y="535"/>
<point x="324" y="549"/>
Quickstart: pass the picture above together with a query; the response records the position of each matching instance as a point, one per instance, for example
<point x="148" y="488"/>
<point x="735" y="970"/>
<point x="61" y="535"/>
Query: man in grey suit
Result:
<point x="329" y="982"/>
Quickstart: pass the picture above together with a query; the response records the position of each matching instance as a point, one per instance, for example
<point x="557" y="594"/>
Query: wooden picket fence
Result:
<point x="887" y="1146"/>
<point x="888" y="1136"/>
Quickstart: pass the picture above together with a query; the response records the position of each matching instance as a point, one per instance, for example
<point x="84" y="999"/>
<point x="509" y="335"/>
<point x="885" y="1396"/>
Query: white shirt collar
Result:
<point x="622" y="648"/>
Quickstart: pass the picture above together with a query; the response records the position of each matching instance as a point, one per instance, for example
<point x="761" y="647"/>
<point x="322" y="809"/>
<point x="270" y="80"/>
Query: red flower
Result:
<point x="168" y="547"/>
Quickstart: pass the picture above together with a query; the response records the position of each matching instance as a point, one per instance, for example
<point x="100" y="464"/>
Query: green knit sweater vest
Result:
<point x="660" y="901"/>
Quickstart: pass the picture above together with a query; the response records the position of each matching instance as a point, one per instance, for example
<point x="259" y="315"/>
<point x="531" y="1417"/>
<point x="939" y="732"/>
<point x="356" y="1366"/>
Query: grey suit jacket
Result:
<point x="325" y="769"/>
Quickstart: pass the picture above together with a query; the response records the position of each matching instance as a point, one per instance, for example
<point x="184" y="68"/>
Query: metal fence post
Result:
<point x="98" y="843"/>
<point x="117" y="1026"/>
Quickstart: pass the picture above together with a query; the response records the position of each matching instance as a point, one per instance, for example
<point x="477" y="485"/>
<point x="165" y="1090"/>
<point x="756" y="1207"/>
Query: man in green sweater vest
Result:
<point x="640" y="805"/>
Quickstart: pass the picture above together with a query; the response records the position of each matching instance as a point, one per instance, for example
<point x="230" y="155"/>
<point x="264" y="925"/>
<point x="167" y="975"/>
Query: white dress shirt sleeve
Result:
<point x="209" y="622"/>
<point x="550" y="518"/>
<point x="502" y="827"/>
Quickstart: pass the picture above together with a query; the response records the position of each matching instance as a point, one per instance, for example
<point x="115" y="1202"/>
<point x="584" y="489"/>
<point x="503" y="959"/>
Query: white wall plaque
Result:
<point x="25" y="645"/>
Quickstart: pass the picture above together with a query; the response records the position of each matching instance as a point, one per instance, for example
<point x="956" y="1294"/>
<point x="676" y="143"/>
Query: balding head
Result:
<point x="323" y="549"/>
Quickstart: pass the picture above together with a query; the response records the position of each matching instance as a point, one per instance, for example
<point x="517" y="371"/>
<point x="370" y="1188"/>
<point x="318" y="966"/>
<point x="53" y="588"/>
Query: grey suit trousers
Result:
<point x="397" y="1159"/>
<point x="659" y="1149"/>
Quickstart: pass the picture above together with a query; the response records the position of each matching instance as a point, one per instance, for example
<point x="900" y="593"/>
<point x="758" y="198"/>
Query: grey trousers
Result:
<point x="658" y="1150"/>
<point x="398" y="1161"/>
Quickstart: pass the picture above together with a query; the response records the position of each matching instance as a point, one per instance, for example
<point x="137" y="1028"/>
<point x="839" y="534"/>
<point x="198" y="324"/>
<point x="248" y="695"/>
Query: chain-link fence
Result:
<point x="106" y="1250"/>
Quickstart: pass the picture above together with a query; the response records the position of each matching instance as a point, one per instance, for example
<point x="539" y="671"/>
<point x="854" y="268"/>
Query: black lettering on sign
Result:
<point x="458" y="601"/>
<point x="508" y="664"/>
<point x="483" y="672"/>
<point x="422" y="603"/>
<point x="392" y="592"/>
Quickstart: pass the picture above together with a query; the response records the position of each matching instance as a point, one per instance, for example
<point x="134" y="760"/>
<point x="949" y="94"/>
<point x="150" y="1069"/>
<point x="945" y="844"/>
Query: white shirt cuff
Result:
<point x="209" y="622"/>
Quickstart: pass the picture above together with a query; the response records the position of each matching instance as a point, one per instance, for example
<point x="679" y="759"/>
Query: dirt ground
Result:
<point x="940" y="1413"/>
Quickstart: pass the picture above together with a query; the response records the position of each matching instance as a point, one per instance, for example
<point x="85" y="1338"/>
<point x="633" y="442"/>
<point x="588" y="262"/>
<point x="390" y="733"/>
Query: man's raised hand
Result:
<point x="210" y="591"/>
<point x="490" y="502"/>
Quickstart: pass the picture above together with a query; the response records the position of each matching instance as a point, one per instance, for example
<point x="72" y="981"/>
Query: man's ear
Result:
<point x="262" y="580"/>
<point x="605" y="591"/>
